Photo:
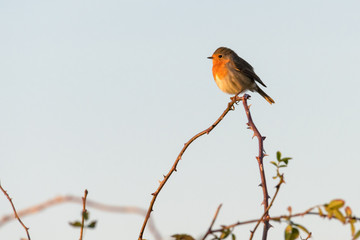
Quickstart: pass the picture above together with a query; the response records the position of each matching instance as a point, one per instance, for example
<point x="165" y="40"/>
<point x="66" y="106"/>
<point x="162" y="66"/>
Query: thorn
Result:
<point x="160" y="182"/>
<point x="265" y="155"/>
<point x="263" y="138"/>
<point x="253" y="136"/>
<point x="260" y="185"/>
<point x="164" y="176"/>
<point x="249" y="106"/>
<point x="248" y="124"/>
<point x="270" y="226"/>
<point x="175" y="170"/>
<point x="153" y="194"/>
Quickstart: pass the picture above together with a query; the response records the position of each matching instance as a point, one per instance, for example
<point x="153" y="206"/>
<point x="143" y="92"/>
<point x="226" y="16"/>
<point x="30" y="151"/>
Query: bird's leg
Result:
<point x="236" y="97"/>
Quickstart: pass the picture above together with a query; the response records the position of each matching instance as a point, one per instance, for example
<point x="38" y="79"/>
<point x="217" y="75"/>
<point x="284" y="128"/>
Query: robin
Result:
<point x="234" y="75"/>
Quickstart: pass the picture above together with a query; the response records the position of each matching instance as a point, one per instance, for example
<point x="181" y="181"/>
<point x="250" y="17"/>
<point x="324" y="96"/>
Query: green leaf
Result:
<point x="330" y="212"/>
<point x="225" y="233"/>
<point x="75" y="224"/>
<point x="233" y="237"/>
<point x="295" y="233"/>
<point x="285" y="160"/>
<point x="352" y="227"/>
<point x="281" y="166"/>
<point x="274" y="163"/>
<point x="182" y="237"/>
<point x="337" y="214"/>
<point x="301" y="227"/>
<point x="336" y="204"/>
<point x="291" y="233"/>
<point x="288" y="231"/>
<point x="85" y="215"/>
<point x="357" y="235"/>
<point x="92" y="224"/>
<point x="278" y="156"/>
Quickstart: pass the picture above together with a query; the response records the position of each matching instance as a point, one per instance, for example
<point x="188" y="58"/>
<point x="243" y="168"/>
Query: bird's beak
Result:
<point x="210" y="57"/>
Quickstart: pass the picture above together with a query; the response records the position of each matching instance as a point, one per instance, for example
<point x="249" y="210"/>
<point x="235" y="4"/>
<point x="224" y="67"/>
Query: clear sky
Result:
<point x="103" y="94"/>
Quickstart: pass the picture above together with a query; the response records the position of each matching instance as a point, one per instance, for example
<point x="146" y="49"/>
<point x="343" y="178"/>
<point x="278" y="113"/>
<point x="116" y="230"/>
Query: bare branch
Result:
<point x="278" y="218"/>
<point x="209" y="231"/>
<point x="308" y="236"/>
<point x="270" y="205"/>
<point x="261" y="166"/>
<point x="16" y="215"/>
<point x="173" y="168"/>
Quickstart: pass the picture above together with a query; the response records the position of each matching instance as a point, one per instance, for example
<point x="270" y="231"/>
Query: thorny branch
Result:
<point x="173" y="168"/>
<point x="268" y="208"/>
<point x="259" y="158"/>
<point x="16" y="215"/>
<point x="210" y="231"/>
<point x="277" y="219"/>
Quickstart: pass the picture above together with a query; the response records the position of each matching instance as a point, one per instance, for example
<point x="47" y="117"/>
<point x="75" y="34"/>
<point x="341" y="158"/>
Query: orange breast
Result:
<point x="219" y="69"/>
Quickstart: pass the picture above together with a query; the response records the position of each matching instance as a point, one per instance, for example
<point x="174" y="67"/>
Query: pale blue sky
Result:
<point x="103" y="94"/>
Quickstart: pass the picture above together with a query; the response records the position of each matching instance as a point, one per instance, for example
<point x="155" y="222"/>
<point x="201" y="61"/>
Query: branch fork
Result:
<point x="230" y="107"/>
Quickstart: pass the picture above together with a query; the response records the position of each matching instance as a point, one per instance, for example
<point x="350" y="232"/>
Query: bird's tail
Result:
<point x="267" y="97"/>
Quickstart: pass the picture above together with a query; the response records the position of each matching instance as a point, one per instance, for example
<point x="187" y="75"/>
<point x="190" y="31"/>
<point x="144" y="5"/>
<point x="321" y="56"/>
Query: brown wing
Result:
<point x="244" y="67"/>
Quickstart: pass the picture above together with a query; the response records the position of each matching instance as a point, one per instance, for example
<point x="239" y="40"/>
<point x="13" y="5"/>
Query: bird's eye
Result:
<point x="220" y="56"/>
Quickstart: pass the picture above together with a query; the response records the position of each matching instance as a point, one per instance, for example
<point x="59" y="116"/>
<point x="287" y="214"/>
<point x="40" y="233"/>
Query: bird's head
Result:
<point x="222" y="55"/>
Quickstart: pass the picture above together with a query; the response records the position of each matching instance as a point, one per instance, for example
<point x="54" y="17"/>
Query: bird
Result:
<point x="234" y="75"/>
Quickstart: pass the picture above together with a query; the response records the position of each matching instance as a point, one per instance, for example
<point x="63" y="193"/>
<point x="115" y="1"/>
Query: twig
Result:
<point x="268" y="208"/>
<point x="308" y="236"/>
<point x="278" y="218"/>
<point x="209" y="231"/>
<point x="259" y="158"/>
<point x="84" y="213"/>
<point x="173" y="168"/>
<point x="90" y="204"/>
<point x="16" y="215"/>
<point x="252" y="221"/>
